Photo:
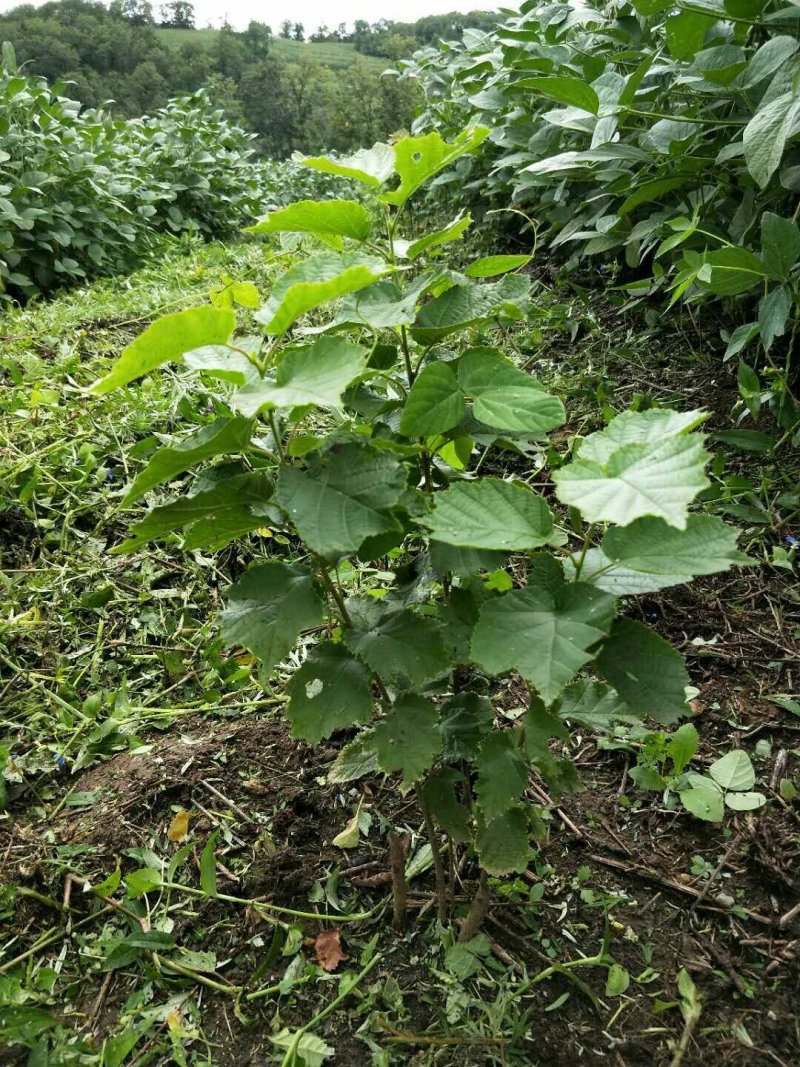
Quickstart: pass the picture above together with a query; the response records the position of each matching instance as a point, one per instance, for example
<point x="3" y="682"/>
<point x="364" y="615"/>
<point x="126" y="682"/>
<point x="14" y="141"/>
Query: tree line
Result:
<point x="116" y="57"/>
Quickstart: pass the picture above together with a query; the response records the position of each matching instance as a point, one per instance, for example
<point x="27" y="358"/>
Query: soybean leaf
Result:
<point x="502" y="773"/>
<point x="745" y="801"/>
<point x="703" y="799"/>
<point x="734" y="771"/>
<point x="506" y="397"/>
<point x="492" y="266"/>
<point x="544" y="635"/>
<point x="564" y="90"/>
<point x="503" y="843"/>
<point x="645" y="670"/>
<point x="218" y="437"/>
<point x="328" y="218"/>
<point x="330" y="691"/>
<point x="342" y="498"/>
<point x="435" y="402"/>
<point x="268" y="608"/>
<point x="408" y="739"/>
<point x="490" y="513"/>
<point x="765" y="136"/>
<point x="167" y="339"/>
<point x="315" y="374"/>
<point x="439" y="237"/>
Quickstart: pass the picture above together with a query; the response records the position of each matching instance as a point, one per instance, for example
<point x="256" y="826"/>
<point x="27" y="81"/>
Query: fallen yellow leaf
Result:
<point x="179" y="827"/>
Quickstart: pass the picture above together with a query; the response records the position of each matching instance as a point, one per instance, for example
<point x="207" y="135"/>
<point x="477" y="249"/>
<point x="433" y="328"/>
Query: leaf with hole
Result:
<point x="329" y="692"/>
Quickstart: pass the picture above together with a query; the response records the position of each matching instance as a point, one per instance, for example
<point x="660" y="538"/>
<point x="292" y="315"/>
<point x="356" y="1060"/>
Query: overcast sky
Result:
<point x="313" y="12"/>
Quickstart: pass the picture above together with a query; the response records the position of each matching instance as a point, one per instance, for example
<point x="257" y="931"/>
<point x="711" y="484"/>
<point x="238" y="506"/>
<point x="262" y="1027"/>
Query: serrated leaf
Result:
<point x="316" y="281"/>
<point x="434" y="404"/>
<point x="502" y="773"/>
<point x="464" y="306"/>
<point x="331" y="218"/>
<point x="645" y="670"/>
<point x="328" y="692"/>
<point x="310" y="1050"/>
<point x="439" y="791"/>
<point x="464" y="721"/>
<point x="268" y="608"/>
<point x="490" y="513"/>
<point x="372" y="166"/>
<point x="506" y="397"/>
<point x="228" y="508"/>
<point x="355" y="760"/>
<point x="399" y="646"/>
<point x="545" y="636"/>
<point x="342" y="498"/>
<point x="448" y="559"/>
<point x="503" y="844"/>
<point x="222" y="436"/>
<point x="416" y="159"/>
<point x="223" y="362"/>
<point x="439" y="237"/>
<point x="642" y="464"/>
<point x="594" y="705"/>
<point x="408" y="738"/>
<point x="167" y="339"/>
<point x="316" y="374"/>
<point x="734" y="771"/>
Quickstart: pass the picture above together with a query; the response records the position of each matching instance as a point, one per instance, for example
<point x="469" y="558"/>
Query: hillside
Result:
<point x="334" y="54"/>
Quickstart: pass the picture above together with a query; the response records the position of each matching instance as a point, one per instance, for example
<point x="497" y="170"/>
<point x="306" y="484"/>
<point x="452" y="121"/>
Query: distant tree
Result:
<point x="178" y="15"/>
<point x="256" y="39"/>
<point x="286" y="29"/>
<point x="322" y="33"/>
<point x="341" y="32"/>
<point x="299" y="32"/>
<point x="137" y="12"/>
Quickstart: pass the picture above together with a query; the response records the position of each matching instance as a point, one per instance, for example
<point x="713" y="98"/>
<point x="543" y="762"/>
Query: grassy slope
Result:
<point x="139" y="633"/>
<point x="336" y="56"/>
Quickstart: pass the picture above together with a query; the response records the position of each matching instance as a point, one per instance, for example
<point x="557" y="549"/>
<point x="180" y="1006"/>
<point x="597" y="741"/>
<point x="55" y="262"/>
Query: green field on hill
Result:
<point x="330" y="54"/>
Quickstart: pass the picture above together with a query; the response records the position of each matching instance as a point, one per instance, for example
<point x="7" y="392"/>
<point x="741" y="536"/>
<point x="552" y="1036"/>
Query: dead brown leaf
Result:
<point x="328" y="947"/>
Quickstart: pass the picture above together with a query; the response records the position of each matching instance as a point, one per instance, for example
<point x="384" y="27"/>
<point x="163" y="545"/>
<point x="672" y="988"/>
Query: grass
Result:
<point x="337" y="56"/>
<point x="122" y="711"/>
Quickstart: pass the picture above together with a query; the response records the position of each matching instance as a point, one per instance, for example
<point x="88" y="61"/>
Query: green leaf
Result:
<point x="745" y="801"/>
<point x="650" y="191"/>
<point x="308" y="1049"/>
<point x="682" y="746"/>
<point x="703" y="800"/>
<point x="218" y="437"/>
<point x="408" y="739"/>
<point x="342" y="497"/>
<point x="502" y="773"/>
<point x="23" y="1023"/>
<point x="268" y="608"/>
<point x="593" y="705"/>
<point x="223" y="362"/>
<point x="372" y="166"/>
<point x="330" y="691"/>
<point x="686" y="32"/>
<point x="330" y="218"/>
<point x="355" y="760"/>
<point x="447" y="559"/>
<point x="399" y="646"/>
<point x="765" y="136"/>
<point x="435" y="403"/>
<point x="570" y="91"/>
<point x="780" y="243"/>
<point x="464" y="306"/>
<point x="490" y="513"/>
<point x="767" y="59"/>
<point x="544" y="635"/>
<point x="166" y="339"/>
<point x="646" y="671"/>
<point x="465" y="720"/>
<point x="642" y="464"/>
<point x="447" y="234"/>
<point x="649" y="555"/>
<point x="617" y="980"/>
<point x="144" y="880"/>
<point x="382" y="305"/>
<point x="315" y="281"/>
<point x="315" y="374"/>
<point x="221" y="506"/>
<point x="208" y="866"/>
<point x="733" y="271"/>
<point x="416" y="159"/>
<point x="505" y="397"/>
<point x="734" y="771"/>
<point x="773" y="314"/>
<point x="503" y="844"/>
<point x="492" y="266"/>
<point x="439" y="792"/>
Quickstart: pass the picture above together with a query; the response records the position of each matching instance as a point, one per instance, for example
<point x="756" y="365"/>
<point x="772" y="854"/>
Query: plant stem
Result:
<point x="478" y="910"/>
<point x="291" y="1053"/>
<point x="317" y="916"/>
<point x="397" y="862"/>
<point x="582" y="559"/>
<point x="436" y="855"/>
<point x="277" y="437"/>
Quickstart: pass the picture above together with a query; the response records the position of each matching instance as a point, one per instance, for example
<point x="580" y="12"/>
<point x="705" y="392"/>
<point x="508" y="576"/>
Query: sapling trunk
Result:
<point x="436" y="855"/>
<point x="397" y="862"/>
<point x="477" y="912"/>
